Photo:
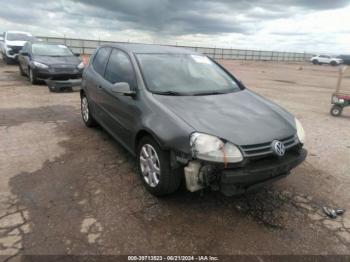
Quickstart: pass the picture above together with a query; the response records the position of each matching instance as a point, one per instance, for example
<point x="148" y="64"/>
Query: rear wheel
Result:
<point x="154" y="168"/>
<point x="88" y="119"/>
<point x="336" y="110"/>
<point x="333" y="63"/>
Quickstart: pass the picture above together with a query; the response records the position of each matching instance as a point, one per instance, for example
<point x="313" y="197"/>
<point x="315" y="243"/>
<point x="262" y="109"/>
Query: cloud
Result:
<point x="210" y="22"/>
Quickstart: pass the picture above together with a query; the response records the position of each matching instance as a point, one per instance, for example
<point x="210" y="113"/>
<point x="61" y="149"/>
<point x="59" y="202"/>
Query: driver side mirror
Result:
<point x="122" y="88"/>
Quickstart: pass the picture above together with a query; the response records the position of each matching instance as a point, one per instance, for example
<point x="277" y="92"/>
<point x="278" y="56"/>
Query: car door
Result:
<point x="327" y="59"/>
<point x="24" y="60"/>
<point x="93" y="79"/>
<point x="120" y="111"/>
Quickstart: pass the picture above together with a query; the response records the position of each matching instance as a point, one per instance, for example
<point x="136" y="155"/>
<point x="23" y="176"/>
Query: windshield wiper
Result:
<point x="210" y="93"/>
<point x="169" y="93"/>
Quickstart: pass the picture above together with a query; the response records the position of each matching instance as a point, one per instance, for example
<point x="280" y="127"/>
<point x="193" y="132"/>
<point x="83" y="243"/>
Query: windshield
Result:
<point x="19" y="37"/>
<point x="51" y="50"/>
<point x="180" y="74"/>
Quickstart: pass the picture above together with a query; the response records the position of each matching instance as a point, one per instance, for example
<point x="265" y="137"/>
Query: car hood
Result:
<point x="242" y="118"/>
<point x="55" y="60"/>
<point x="15" y="43"/>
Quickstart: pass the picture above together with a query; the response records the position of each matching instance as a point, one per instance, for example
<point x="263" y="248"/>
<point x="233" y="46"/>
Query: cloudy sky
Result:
<point x="283" y="25"/>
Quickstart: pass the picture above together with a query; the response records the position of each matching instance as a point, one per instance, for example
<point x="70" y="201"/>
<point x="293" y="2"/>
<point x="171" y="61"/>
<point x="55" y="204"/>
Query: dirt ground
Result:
<point x="67" y="189"/>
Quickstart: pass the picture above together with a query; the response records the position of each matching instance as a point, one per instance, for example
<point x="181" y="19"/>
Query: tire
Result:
<point x="5" y="59"/>
<point x="21" y="70"/>
<point x="88" y="119"/>
<point x="333" y="63"/>
<point x="162" y="179"/>
<point x="336" y="110"/>
<point x="315" y="62"/>
<point x="32" y="77"/>
<point x="52" y="89"/>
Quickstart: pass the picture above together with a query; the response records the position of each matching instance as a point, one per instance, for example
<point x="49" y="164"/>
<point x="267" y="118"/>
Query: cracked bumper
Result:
<point x="242" y="179"/>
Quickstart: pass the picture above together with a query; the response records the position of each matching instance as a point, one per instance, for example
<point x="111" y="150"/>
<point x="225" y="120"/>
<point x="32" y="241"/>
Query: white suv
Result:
<point x="326" y="59"/>
<point x="11" y="43"/>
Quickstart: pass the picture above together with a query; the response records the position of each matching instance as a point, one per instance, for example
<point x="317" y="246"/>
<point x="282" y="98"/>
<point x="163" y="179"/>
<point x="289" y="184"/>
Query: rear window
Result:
<point x="100" y="60"/>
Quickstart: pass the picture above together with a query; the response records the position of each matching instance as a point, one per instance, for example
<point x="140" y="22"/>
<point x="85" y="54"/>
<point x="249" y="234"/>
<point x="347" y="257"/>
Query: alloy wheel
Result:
<point x="150" y="165"/>
<point x="85" y="109"/>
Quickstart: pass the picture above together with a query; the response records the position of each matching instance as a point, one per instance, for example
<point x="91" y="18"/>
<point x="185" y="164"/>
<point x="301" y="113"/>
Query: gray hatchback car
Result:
<point x="186" y="118"/>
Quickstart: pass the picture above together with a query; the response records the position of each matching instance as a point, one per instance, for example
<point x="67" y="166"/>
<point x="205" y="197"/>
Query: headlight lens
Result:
<point x="40" y="65"/>
<point x="213" y="149"/>
<point x="81" y="66"/>
<point x="300" y="131"/>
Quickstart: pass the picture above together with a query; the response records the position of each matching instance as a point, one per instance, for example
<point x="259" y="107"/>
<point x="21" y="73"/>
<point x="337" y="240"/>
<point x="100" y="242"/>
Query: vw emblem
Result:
<point x="278" y="148"/>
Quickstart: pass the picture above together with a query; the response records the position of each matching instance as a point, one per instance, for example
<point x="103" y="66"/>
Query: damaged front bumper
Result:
<point x="244" y="177"/>
<point x="61" y="84"/>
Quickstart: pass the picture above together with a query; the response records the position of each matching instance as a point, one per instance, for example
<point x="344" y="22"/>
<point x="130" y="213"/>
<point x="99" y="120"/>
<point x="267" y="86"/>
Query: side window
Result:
<point x="119" y="69"/>
<point x="100" y="60"/>
<point x="25" y="48"/>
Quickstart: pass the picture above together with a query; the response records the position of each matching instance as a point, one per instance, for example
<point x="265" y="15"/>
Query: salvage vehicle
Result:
<point x="326" y="59"/>
<point x="345" y="58"/>
<point x="11" y="43"/>
<point x="186" y="118"/>
<point x="341" y="96"/>
<point x="54" y="63"/>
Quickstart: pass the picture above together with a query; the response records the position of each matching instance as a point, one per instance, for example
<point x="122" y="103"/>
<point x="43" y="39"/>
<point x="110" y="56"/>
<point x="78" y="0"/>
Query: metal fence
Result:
<point x="84" y="46"/>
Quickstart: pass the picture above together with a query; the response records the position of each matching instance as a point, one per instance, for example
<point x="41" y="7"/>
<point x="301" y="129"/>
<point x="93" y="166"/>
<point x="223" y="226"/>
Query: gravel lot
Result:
<point x="66" y="189"/>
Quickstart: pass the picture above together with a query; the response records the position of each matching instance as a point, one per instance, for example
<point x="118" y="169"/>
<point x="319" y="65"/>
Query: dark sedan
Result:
<point x="345" y="58"/>
<point x="54" y="63"/>
<point x="183" y="115"/>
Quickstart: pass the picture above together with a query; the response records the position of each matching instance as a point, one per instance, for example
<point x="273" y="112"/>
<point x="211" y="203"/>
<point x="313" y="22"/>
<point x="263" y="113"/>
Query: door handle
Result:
<point x="99" y="87"/>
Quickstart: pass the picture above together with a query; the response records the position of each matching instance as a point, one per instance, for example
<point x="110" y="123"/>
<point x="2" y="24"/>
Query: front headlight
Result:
<point x="81" y="66"/>
<point x="213" y="149"/>
<point x="300" y="131"/>
<point x="40" y="65"/>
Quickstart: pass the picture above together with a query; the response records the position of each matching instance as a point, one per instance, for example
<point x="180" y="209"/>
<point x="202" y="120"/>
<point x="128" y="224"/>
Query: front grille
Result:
<point x="263" y="149"/>
<point x="15" y="49"/>
<point x="64" y="69"/>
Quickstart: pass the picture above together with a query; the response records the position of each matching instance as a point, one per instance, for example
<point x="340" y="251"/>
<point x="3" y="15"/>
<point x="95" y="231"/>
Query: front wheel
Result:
<point x="32" y="77"/>
<point x="21" y="70"/>
<point x="52" y="88"/>
<point x="336" y="110"/>
<point x="154" y="168"/>
<point x="88" y="119"/>
<point x="333" y="63"/>
<point x="5" y="59"/>
<point x="315" y="62"/>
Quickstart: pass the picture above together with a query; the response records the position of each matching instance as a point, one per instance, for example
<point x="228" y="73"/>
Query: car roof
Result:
<point x="45" y="43"/>
<point x="150" y="48"/>
<point x="18" y="32"/>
